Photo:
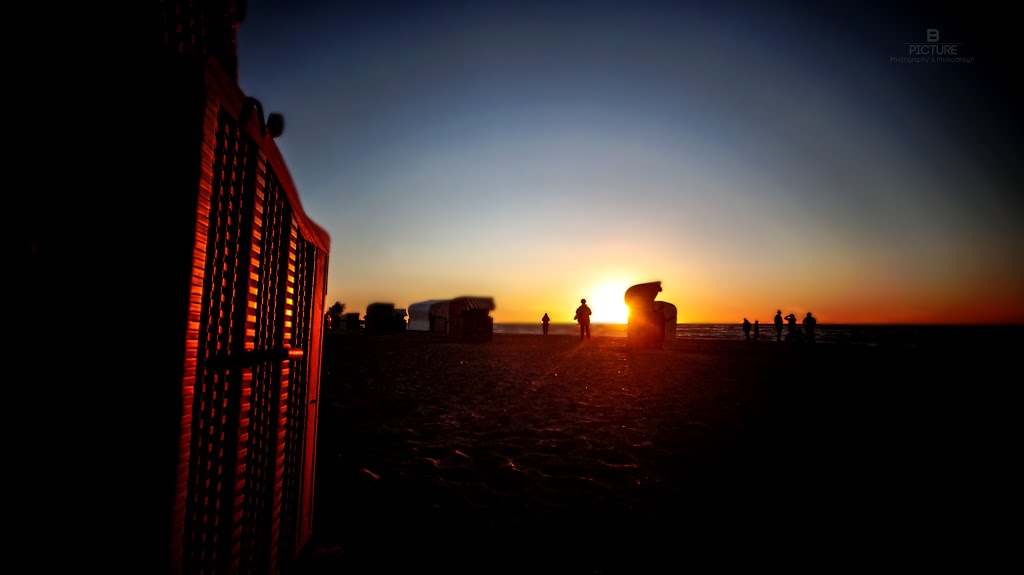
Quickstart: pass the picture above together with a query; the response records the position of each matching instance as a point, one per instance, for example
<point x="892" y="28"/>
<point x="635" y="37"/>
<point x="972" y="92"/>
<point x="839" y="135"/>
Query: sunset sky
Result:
<point x="752" y="159"/>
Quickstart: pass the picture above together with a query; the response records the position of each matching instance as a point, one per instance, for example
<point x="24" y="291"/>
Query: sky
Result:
<point x="751" y="158"/>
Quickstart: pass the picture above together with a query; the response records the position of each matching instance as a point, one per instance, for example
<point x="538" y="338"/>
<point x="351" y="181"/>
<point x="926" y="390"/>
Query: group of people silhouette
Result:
<point x="793" y="334"/>
<point x="582" y="317"/>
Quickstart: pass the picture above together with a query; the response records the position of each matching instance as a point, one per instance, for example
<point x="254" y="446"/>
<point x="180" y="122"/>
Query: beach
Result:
<point x="534" y="453"/>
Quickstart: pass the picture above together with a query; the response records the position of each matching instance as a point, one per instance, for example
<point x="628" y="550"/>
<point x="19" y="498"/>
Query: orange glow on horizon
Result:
<point x="703" y="293"/>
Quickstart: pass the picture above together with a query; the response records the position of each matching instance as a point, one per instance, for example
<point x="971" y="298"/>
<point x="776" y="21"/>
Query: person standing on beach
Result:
<point x="746" y="329"/>
<point x="545" y="320"/>
<point x="809" y="323"/>
<point x="757" y="328"/>
<point x="791" y="326"/>
<point x="583" y="317"/>
<point x="778" y="325"/>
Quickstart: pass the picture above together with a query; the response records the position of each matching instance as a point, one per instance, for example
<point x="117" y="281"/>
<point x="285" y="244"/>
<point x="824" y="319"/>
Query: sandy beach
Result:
<point x="538" y="453"/>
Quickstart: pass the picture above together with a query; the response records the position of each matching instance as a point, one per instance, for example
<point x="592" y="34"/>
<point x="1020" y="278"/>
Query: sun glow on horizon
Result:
<point x="606" y="301"/>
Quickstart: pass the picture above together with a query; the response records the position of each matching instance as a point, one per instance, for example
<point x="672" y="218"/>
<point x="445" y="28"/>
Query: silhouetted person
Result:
<point x="778" y="325"/>
<point x="757" y="329"/>
<point x="746" y="328"/>
<point x="791" y="327"/>
<point x="809" y="323"/>
<point x="583" y="317"/>
<point x="545" y="320"/>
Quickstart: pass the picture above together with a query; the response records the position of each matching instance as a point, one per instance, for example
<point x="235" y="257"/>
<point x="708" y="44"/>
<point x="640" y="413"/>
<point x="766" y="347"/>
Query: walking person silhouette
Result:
<point x="778" y="325"/>
<point x="746" y="329"/>
<point x="545" y="320"/>
<point x="583" y="318"/>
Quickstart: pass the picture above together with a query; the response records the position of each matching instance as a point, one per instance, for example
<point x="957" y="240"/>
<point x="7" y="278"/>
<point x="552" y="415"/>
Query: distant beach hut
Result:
<point x="438" y="316"/>
<point x="352" y="321"/>
<point x="646" y="324"/>
<point x="469" y="318"/>
<point x="381" y="318"/>
<point x="398" y="320"/>
<point x="464" y="318"/>
<point x="419" y="314"/>
<point x="671" y="319"/>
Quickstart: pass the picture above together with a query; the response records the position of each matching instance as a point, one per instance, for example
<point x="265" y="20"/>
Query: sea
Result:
<point x="859" y="334"/>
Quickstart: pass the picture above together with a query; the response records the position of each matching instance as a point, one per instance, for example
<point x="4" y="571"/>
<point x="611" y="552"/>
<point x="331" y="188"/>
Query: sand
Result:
<point x="537" y="454"/>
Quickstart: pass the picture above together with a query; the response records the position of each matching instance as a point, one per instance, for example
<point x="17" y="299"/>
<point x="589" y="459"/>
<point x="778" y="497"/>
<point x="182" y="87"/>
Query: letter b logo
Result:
<point x="933" y="35"/>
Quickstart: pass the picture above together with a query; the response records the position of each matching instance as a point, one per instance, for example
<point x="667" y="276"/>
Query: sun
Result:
<point x="607" y="303"/>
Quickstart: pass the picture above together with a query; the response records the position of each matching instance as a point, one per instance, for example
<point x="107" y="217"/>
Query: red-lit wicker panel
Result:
<point x="219" y="404"/>
<point x="298" y="387"/>
<point x="243" y="499"/>
<point x="269" y="295"/>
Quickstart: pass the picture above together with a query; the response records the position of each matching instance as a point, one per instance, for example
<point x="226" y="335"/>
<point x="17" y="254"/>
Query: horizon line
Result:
<point x="819" y="324"/>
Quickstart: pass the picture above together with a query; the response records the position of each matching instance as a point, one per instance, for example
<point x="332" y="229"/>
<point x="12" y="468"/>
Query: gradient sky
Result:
<point x="752" y="159"/>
